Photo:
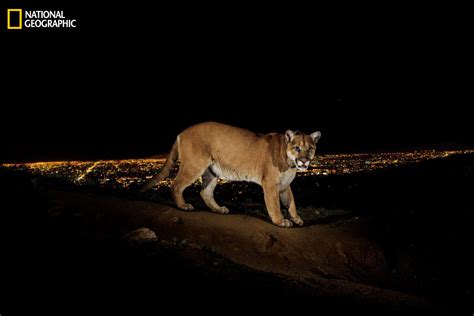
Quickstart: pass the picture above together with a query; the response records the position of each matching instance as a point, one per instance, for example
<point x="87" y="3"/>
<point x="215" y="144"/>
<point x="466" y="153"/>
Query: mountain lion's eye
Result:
<point x="297" y="149"/>
<point x="311" y="148"/>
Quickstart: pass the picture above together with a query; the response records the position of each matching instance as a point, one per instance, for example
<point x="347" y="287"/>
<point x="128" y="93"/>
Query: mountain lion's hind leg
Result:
<point x="209" y="183"/>
<point x="188" y="174"/>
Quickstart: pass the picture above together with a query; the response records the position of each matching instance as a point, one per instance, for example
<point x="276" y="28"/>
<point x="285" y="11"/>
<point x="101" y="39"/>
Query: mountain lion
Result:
<point x="216" y="151"/>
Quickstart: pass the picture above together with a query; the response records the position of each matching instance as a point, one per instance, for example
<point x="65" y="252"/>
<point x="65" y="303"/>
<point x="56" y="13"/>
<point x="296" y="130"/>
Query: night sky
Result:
<point x="383" y="83"/>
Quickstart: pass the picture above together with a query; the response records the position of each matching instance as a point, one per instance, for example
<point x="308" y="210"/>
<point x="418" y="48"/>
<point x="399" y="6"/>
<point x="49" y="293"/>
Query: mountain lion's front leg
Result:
<point x="288" y="201"/>
<point x="272" y="202"/>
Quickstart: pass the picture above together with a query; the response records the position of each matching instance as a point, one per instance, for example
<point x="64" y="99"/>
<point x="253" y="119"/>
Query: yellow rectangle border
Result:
<point x="19" y="27"/>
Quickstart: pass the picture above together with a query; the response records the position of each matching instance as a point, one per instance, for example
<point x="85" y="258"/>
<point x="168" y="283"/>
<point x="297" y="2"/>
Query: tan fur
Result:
<point x="216" y="151"/>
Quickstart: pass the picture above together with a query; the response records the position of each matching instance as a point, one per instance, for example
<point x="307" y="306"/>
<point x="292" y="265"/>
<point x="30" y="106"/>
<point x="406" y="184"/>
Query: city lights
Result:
<point x="125" y="173"/>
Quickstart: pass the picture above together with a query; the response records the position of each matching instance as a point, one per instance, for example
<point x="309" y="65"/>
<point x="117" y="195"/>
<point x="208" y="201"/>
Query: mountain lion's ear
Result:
<point x="289" y="135"/>
<point x="316" y="136"/>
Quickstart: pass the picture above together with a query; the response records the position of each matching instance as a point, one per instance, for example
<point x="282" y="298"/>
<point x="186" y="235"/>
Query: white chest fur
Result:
<point x="287" y="177"/>
<point x="233" y="175"/>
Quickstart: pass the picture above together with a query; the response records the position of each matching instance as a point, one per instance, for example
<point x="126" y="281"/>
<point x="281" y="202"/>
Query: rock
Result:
<point x="141" y="235"/>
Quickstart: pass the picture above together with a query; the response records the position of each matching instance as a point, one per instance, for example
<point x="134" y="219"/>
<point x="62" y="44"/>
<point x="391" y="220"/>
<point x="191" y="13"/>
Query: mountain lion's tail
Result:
<point x="165" y="171"/>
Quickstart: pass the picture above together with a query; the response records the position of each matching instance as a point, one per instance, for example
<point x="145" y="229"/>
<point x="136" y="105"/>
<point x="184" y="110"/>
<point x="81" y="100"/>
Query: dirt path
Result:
<point x="337" y="261"/>
<point x="308" y="252"/>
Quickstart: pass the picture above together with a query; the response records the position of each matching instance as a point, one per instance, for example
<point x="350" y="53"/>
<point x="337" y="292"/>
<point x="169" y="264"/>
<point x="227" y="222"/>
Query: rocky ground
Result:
<point x="395" y="241"/>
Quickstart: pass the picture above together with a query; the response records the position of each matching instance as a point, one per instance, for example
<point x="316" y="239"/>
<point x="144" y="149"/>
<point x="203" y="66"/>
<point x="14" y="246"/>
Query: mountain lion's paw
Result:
<point x="222" y="210"/>
<point x="298" y="221"/>
<point x="187" y="207"/>
<point x="285" y="223"/>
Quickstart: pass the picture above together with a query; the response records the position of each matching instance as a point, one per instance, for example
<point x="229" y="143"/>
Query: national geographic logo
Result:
<point x="18" y="19"/>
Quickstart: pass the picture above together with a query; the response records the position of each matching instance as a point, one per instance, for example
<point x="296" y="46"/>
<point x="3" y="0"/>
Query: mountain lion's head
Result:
<point x="301" y="148"/>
